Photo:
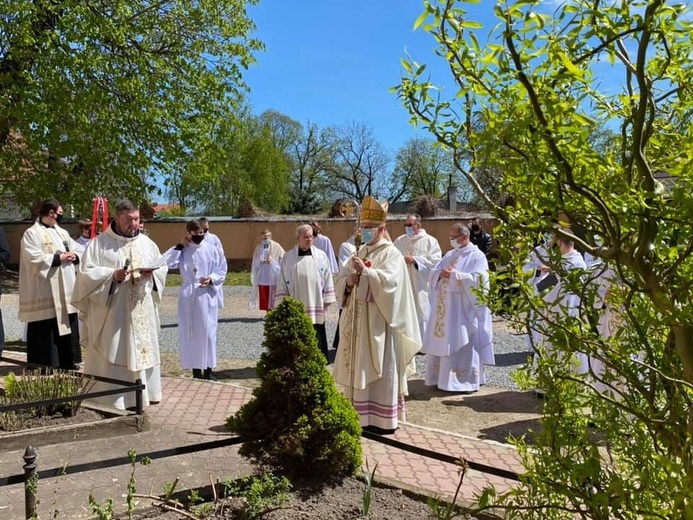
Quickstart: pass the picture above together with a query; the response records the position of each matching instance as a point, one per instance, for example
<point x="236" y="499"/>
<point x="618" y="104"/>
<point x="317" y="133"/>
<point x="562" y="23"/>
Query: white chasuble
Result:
<point x="379" y="336"/>
<point x="459" y="331"/>
<point x="122" y="318"/>
<point x="426" y="252"/>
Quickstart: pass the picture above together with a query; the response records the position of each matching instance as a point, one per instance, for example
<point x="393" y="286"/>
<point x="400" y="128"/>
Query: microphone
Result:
<point x="126" y="266"/>
<point x="67" y="246"/>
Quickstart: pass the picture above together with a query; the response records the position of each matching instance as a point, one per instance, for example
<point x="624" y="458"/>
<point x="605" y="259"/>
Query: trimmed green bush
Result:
<point x="297" y="420"/>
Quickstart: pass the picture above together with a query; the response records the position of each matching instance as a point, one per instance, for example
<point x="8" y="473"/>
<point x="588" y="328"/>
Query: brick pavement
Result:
<point x="195" y="411"/>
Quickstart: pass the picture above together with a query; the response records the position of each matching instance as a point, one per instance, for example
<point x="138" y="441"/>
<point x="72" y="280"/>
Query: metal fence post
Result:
<point x="139" y="405"/>
<point x="30" y="482"/>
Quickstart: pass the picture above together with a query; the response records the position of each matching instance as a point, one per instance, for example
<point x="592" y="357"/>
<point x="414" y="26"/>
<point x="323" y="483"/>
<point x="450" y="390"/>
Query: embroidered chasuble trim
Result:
<point x="439" y="328"/>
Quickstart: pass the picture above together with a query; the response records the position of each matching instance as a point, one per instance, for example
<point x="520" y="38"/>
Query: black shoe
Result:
<point x="197" y="373"/>
<point x="208" y="375"/>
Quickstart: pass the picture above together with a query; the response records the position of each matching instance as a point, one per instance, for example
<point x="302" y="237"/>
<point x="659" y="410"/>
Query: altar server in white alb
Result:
<point x="324" y="243"/>
<point x="119" y="286"/>
<point x="47" y="262"/>
<point x="347" y="250"/>
<point x="305" y="274"/>
<point x="421" y="252"/>
<point x="560" y="299"/>
<point x="203" y="271"/>
<point x="379" y="335"/>
<point x="459" y="332"/>
<point x="264" y="272"/>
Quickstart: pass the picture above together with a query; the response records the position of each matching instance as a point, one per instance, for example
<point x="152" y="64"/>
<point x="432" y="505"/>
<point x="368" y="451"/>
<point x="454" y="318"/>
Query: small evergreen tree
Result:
<point x="297" y="419"/>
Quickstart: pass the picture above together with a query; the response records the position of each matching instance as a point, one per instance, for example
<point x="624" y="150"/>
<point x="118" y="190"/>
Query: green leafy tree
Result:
<point x="536" y="82"/>
<point x="102" y="96"/>
<point x="234" y="162"/>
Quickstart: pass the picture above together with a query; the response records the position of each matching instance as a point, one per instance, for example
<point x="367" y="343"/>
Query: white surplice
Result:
<point x="324" y="244"/>
<point x="308" y="279"/>
<point x="459" y="331"/>
<point x="426" y="252"/>
<point x="537" y="257"/>
<point x="198" y="306"/>
<point x="561" y="301"/>
<point x="379" y="336"/>
<point x="82" y="243"/>
<point x="122" y="319"/>
<point x="265" y="271"/>
<point x="213" y="239"/>
<point x="346" y="251"/>
<point x="45" y="290"/>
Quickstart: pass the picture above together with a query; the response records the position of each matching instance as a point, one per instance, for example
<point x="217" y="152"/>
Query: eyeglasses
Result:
<point x="456" y="236"/>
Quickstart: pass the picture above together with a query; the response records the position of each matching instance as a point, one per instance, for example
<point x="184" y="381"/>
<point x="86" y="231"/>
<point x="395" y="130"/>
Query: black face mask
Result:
<point x="197" y="238"/>
<point x="58" y="218"/>
<point x="476" y="228"/>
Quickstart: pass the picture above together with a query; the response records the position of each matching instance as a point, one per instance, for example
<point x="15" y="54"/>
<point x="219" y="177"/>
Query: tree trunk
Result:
<point x="683" y="336"/>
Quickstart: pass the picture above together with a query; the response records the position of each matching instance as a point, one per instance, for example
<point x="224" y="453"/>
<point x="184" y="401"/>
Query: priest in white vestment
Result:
<point x="203" y="271"/>
<point x="559" y="299"/>
<point x="264" y="272"/>
<point x="305" y="274"/>
<point x="421" y="252"/>
<point x="459" y="332"/>
<point x="118" y="290"/>
<point x="538" y="278"/>
<point x="379" y="333"/>
<point x="47" y="262"/>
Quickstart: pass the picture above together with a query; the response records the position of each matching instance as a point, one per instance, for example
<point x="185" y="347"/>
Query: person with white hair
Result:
<point x="305" y="274"/>
<point x="459" y="332"/>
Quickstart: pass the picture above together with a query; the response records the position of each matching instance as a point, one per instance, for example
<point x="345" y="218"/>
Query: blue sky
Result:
<point x="332" y="62"/>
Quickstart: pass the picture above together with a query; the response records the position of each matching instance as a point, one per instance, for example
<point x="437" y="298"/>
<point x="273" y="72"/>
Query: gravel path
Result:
<point x="240" y="333"/>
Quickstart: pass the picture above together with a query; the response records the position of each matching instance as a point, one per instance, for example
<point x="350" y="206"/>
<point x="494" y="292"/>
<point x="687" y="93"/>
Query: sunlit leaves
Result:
<point x="582" y="116"/>
<point x="119" y="91"/>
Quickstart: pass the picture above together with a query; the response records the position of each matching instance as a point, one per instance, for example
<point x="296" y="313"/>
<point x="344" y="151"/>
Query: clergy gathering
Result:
<point x="412" y="260"/>
<point x="91" y="302"/>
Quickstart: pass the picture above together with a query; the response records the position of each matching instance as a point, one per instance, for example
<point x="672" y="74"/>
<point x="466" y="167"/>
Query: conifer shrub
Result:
<point x="297" y="420"/>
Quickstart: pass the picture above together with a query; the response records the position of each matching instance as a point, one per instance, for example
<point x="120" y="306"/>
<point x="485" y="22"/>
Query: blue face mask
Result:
<point x="366" y="235"/>
<point x="409" y="230"/>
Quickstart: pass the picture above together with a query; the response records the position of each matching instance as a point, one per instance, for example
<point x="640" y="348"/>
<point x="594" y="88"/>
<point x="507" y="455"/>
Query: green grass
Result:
<point x="236" y="278"/>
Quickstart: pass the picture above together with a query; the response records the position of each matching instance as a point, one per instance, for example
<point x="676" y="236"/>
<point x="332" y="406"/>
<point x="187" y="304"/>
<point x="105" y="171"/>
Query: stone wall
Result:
<point x="240" y="236"/>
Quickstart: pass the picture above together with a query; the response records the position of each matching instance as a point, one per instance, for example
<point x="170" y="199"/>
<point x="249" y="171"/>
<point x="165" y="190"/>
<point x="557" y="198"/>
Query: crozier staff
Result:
<point x="378" y="338"/>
